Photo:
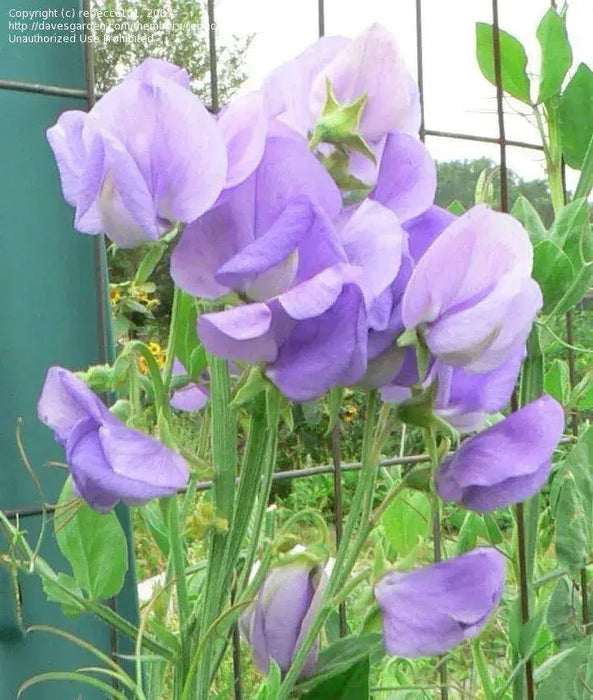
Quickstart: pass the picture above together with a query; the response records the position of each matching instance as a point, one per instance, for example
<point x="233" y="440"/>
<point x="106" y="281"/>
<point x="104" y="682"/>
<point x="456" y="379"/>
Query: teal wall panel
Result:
<point x="48" y="315"/>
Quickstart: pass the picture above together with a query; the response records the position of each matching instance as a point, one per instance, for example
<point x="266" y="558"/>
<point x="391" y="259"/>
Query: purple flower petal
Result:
<point x="506" y="462"/>
<point x="323" y="351"/>
<point x="407" y="179"/>
<point x="372" y="64"/>
<point x="108" y="461"/>
<point x="244" y="127"/>
<point x="241" y="333"/>
<point x="426" y="228"/>
<point x="428" y="611"/>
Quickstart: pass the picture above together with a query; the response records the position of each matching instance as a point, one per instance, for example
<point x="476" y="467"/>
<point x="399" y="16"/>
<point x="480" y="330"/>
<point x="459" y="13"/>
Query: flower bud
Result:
<point x="278" y="619"/>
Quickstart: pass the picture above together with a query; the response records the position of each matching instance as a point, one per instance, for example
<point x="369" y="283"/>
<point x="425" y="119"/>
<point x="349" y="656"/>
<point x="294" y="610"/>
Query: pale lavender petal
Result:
<point x="65" y="139"/>
<point x="426" y="228"/>
<point x="510" y="456"/>
<point x="286" y="90"/>
<point x="189" y="158"/>
<point x="274" y="246"/>
<point x="428" y="611"/>
<point x="208" y="243"/>
<point x="244" y="128"/>
<point x="152" y="68"/>
<point x="374" y="241"/>
<point x="371" y="64"/>
<point x="65" y="400"/>
<point x="406" y="182"/>
<point x="241" y="333"/>
<point x="475" y="251"/>
<point x="321" y="351"/>
<point x="315" y="296"/>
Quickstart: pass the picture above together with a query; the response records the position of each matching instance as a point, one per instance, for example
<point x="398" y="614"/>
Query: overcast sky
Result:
<point x="457" y="97"/>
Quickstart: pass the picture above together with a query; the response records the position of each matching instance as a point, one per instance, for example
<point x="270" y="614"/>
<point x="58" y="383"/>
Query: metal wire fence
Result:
<point x="337" y="468"/>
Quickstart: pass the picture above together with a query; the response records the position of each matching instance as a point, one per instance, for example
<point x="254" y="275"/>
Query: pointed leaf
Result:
<point x="576" y="116"/>
<point x="513" y="61"/>
<point x="556" y="54"/>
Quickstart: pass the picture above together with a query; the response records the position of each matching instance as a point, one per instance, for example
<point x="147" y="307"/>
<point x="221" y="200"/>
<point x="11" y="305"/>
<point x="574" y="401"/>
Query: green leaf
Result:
<point x="574" y="509"/>
<point x="252" y="387"/>
<point x="95" y="546"/>
<point x="150" y="261"/>
<point x="270" y="689"/>
<point x="513" y="61"/>
<point x="54" y="590"/>
<point x="553" y="271"/>
<point x="585" y="183"/>
<point x="352" y="684"/>
<point x="576" y="291"/>
<point x="407" y="521"/>
<point x="576" y="116"/>
<point x="569" y="228"/>
<point x="456" y="207"/>
<point x="557" y="381"/>
<point x="186" y="340"/>
<point x="572" y="677"/>
<point x="564" y="615"/>
<point x="469" y="532"/>
<point x="524" y="210"/>
<point x="585" y="400"/>
<point x="340" y="656"/>
<point x="556" y="54"/>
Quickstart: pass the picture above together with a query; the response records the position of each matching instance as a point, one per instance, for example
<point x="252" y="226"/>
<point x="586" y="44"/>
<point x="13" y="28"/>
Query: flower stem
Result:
<point x="224" y="456"/>
<point x="431" y="448"/>
<point x="173" y="330"/>
<point x="482" y="667"/>
<point x="345" y="555"/>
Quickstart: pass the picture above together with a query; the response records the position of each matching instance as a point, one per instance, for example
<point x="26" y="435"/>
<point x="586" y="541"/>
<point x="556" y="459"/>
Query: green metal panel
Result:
<point x="48" y="315"/>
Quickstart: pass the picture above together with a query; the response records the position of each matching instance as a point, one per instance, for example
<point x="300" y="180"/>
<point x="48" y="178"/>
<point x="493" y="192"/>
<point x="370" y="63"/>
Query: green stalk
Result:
<point x="272" y="412"/>
<point x="482" y="667"/>
<point x="173" y="330"/>
<point x="224" y="456"/>
<point x="370" y="449"/>
<point x="170" y="510"/>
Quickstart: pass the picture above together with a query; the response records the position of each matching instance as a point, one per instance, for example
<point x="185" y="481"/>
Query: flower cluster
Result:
<point x="307" y="213"/>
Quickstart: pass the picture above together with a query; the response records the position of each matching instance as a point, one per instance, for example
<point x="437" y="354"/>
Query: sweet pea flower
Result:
<point x="466" y="399"/>
<point x="313" y="334"/>
<point x="108" y="461"/>
<point x="371" y="65"/>
<point x="147" y="155"/>
<point x="253" y="242"/>
<point x="471" y="294"/>
<point x="506" y="463"/>
<point x="428" y="611"/>
<point x="276" y="622"/>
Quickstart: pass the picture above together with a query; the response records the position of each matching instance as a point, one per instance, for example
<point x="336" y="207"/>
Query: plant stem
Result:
<point x="524" y="585"/>
<point x="224" y="456"/>
<point x="482" y="667"/>
<point x="431" y="448"/>
<point x="173" y="330"/>
<point x="170" y="510"/>
<point x="344" y="557"/>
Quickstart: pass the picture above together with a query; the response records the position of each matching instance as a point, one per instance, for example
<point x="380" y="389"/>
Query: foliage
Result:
<point x="178" y="33"/>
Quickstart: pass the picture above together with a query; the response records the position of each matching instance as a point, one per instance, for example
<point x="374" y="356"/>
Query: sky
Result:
<point x="457" y="97"/>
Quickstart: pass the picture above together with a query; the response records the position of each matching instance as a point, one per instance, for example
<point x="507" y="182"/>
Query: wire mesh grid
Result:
<point x="90" y="95"/>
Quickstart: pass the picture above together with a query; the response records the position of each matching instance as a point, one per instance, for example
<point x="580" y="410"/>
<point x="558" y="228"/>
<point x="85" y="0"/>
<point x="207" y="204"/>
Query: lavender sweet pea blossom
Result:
<point x="471" y="293"/>
<point x="371" y="65"/>
<point x="505" y="463"/>
<point x="147" y="155"/>
<point x="429" y="611"/>
<point x="108" y="461"/>
<point x="314" y="333"/>
<point x="275" y="624"/>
